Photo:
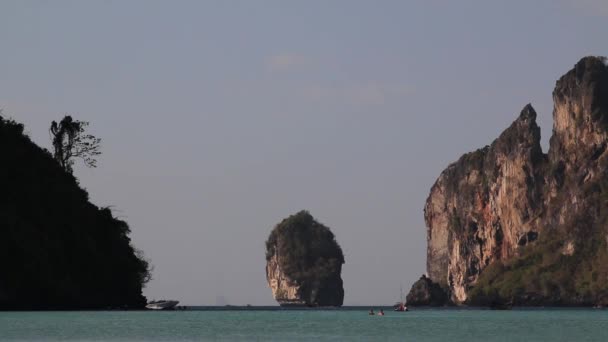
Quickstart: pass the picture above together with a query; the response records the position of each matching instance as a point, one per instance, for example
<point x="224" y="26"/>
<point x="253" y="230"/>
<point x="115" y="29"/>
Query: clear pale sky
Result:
<point x="220" y="118"/>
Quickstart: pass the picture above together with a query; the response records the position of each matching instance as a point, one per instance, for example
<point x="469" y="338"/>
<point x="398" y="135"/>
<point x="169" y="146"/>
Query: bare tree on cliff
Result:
<point x="70" y="141"/>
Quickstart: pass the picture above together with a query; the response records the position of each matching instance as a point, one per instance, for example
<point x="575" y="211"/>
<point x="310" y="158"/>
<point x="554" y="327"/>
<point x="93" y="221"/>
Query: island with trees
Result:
<point x="57" y="249"/>
<point x="304" y="263"/>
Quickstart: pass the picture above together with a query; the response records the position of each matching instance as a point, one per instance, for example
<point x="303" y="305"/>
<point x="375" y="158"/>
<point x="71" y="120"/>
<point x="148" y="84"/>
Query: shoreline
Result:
<point x="386" y="308"/>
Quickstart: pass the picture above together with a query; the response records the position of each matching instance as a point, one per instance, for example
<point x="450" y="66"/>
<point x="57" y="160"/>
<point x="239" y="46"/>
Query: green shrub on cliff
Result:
<point x="57" y="250"/>
<point x="546" y="274"/>
<point x="568" y="265"/>
<point x="308" y="249"/>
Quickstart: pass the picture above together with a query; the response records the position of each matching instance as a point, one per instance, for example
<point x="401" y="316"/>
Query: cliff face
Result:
<point x="284" y="289"/>
<point x="57" y="250"/>
<point x="287" y="291"/>
<point x="304" y="262"/>
<point x="504" y="202"/>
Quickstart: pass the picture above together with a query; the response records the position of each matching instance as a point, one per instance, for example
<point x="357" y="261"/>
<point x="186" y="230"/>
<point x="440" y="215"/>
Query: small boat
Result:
<point x="162" y="304"/>
<point x="400" y="306"/>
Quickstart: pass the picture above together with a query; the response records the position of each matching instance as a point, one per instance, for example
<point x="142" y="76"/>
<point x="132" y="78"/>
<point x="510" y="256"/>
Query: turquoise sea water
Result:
<point x="280" y="325"/>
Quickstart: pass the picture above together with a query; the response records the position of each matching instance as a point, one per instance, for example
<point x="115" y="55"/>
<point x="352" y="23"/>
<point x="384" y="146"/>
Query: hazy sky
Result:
<point x="220" y="118"/>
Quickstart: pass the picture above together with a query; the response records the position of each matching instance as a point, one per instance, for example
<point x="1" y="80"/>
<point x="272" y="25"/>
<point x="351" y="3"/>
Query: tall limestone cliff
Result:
<point x="303" y="263"/>
<point x="508" y="224"/>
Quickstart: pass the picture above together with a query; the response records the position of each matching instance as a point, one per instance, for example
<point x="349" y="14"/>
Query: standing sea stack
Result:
<point x="304" y="262"/>
<point x="510" y="225"/>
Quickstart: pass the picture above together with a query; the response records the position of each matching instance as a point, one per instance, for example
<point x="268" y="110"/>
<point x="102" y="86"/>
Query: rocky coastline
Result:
<point x="509" y="225"/>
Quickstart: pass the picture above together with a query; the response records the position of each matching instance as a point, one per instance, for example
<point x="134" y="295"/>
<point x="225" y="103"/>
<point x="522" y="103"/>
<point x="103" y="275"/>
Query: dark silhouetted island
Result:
<point x="508" y="225"/>
<point x="304" y="263"/>
<point x="57" y="250"/>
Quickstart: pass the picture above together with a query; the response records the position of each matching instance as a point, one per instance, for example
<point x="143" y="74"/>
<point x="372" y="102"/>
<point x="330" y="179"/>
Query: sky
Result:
<point x="220" y="118"/>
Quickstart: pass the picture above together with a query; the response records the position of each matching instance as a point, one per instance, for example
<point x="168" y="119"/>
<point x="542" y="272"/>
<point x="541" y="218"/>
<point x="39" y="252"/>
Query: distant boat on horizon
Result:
<point x="162" y="304"/>
<point x="400" y="306"/>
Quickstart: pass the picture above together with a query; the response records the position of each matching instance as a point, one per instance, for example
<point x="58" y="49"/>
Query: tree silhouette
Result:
<point x="70" y="141"/>
<point x="57" y="249"/>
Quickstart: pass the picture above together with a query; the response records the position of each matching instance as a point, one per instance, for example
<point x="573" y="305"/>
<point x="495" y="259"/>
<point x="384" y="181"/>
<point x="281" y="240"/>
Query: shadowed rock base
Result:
<point x="425" y="292"/>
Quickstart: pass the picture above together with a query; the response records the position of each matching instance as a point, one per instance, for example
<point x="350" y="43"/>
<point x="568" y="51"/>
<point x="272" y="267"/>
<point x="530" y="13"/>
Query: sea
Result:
<point x="276" y="324"/>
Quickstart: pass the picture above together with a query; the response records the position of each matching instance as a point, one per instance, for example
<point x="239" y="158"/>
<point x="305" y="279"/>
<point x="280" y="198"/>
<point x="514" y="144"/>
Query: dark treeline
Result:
<point x="57" y="249"/>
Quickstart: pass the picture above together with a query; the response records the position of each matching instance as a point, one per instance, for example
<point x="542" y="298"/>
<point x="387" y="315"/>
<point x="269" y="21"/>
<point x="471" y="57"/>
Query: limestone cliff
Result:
<point x="284" y="290"/>
<point x="304" y="262"/>
<point x="523" y="215"/>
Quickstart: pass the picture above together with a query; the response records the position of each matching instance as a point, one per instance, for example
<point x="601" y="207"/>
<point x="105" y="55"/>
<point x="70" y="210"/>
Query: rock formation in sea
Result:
<point x="304" y="263"/>
<point x="508" y="224"/>
<point x="425" y="292"/>
<point x="57" y="249"/>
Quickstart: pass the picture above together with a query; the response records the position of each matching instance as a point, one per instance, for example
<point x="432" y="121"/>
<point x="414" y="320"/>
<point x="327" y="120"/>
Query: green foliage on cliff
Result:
<point x="568" y="265"/>
<point x="308" y="250"/>
<point x="547" y="274"/>
<point x="57" y="250"/>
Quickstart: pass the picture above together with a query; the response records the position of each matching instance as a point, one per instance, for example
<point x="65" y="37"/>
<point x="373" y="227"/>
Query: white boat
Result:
<point x="400" y="305"/>
<point x="162" y="304"/>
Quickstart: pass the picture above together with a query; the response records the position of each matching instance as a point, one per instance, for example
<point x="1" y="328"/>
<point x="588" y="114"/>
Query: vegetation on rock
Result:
<point x="568" y="268"/>
<point x="310" y="257"/>
<point x="70" y="141"/>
